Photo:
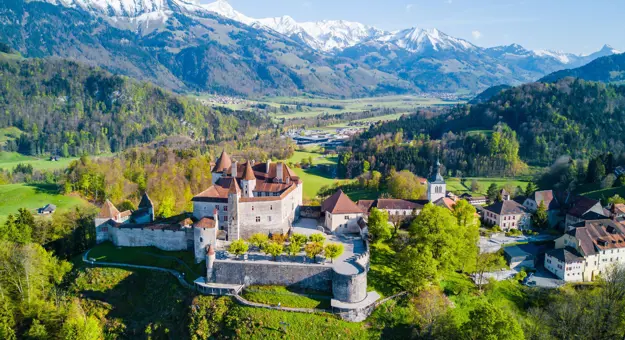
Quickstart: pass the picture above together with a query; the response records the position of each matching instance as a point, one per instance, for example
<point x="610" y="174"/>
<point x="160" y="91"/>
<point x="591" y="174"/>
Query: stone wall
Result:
<point x="349" y="288"/>
<point x="318" y="277"/>
<point x="162" y="239"/>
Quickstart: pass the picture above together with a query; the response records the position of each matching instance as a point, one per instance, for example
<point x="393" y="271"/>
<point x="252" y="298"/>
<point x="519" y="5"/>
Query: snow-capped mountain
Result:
<point x="326" y="35"/>
<point x="419" y="40"/>
<point x="128" y="8"/>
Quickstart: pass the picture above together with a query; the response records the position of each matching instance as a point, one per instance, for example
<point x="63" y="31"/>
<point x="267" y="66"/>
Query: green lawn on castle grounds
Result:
<point x="150" y="256"/>
<point x="318" y="158"/>
<point x="33" y="196"/>
<point x="454" y="185"/>
<point x="9" y="160"/>
<point x="287" y="297"/>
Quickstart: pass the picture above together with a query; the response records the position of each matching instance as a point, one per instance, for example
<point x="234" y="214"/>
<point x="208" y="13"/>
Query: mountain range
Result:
<point x="187" y="46"/>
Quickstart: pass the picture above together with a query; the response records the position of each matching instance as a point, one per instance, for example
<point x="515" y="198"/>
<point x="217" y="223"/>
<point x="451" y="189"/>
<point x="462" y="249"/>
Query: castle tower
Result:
<point x="437" y="188"/>
<point x="223" y="164"/>
<point x="248" y="182"/>
<point x="146" y="203"/>
<point x="234" y="194"/>
<point x="205" y="235"/>
<point x="210" y="263"/>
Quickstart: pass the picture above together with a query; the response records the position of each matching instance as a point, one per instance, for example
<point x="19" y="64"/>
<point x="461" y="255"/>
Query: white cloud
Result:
<point x="476" y="35"/>
<point x="409" y="7"/>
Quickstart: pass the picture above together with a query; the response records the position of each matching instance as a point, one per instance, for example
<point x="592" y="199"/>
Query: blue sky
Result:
<point x="579" y="26"/>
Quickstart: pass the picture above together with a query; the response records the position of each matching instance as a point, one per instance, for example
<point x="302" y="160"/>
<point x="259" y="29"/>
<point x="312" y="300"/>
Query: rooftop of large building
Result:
<point x="566" y="255"/>
<point x="506" y="207"/>
<point x="598" y="235"/>
<point x="340" y="203"/>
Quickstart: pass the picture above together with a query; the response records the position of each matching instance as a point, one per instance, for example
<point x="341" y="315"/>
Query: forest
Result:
<point x="68" y="109"/>
<point x="531" y="124"/>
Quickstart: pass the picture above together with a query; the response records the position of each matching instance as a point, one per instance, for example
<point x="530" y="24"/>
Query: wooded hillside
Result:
<point x="66" y="108"/>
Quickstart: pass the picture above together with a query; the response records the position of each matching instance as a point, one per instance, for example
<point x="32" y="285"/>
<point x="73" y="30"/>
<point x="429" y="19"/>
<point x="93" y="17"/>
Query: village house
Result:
<point x="548" y="199"/>
<point x="341" y="214"/>
<point x="47" y="209"/>
<point x="474" y="200"/>
<point x="397" y="208"/>
<point x="587" y="249"/>
<point x="582" y="209"/>
<point x="507" y="214"/>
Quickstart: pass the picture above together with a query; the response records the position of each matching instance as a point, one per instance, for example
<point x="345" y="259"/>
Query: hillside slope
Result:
<point x="608" y="69"/>
<point x="65" y="107"/>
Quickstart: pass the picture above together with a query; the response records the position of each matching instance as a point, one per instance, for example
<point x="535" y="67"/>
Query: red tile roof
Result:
<point x="339" y="203"/>
<point x="108" y="210"/>
<point x="205" y="223"/>
<point x="598" y="235"/>
<point x="224" y="162"/>
<point x="248" y="175"/>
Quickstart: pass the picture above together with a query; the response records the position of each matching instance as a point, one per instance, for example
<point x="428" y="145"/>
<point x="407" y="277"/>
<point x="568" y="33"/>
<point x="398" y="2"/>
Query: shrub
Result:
<point x="313" y="249"/>
<point x="317" y="238"/>
<point x="259" y="240"/>
<point x="333" y="250"/>
<point x="279" y="238"/>
<point x="238" y="247"/>
<point x="299" y="239"/>
<point x="273" y="249"/>
<point x="520" y="275"/>
<point x="293" y="248"/>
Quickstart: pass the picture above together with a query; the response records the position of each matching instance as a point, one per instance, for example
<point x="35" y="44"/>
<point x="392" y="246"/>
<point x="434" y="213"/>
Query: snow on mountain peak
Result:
<point x="420" y="40"/>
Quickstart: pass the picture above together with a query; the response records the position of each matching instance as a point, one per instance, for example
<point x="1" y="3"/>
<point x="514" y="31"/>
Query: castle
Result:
<point x="244" y="199"/>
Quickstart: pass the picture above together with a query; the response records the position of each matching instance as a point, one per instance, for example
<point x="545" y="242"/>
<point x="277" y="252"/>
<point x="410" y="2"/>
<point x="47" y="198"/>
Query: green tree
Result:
<point x="417" y="267"/>
<point x="492" y="193"/>
<point x="436" y="230"/>
<point x="540" y="218"/>
<point x="469" y="223"/>
<point x="487" y="321"/>
<point x="317" y="238"/>
<point x="259" y="240"/>
<point x="616" y="199"/>
<point x="405" y="185"/>
<point x="333" y="251"/>
<point x="298" y="239"/>
<point x="313" y="249"/>
<point x="530" y="189"/>
<point x="293" y="248"/>
<point x="274" y="249"/>
<point x="378" y="225"/>
<point x="238" y="247"/>
<point x="127" y="205"/>
<point x="475" y="186"/>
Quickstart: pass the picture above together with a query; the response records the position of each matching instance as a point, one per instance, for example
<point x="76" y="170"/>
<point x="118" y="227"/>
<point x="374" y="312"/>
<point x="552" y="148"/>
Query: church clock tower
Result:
<point x="437" y="188"/>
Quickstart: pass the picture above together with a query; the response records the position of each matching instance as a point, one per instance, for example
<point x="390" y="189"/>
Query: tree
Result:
<point x="405" y="185"/>
<point x="530" y="189"/>
<point x="259" y="240"/>
<point x="417" y="268"/>
<point x="608" y="181"/>
<point x="317" y="238"/>
<point x="238" y="247"/>
<point x="475" y="186"/>
<point x="540" y="218"/>
<point x="279" y="238"/>
<point x="274" y="249"/>
<point x="469" y="223"/>
<point x="378" y="225"/>
<point x="437" y="231"/>
<point x="492" y="193"/>
<point x="487" y="262"/>
<point x="293" y="248"/>
<point x="616" y="199"/>
<point x="298" y="239"/>
<point x="596" y="170"/>
<point x="127" y="205"/>
<point x="488" y="321"/>
<point x="429" y="307"/>
<point x="333" y="251"/>
<point x="313" y="249"/>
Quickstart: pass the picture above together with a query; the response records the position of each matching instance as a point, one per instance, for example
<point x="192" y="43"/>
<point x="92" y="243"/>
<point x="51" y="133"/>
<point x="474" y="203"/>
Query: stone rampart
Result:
<point x="169" y="240"/>
<point x="312" y="276"/>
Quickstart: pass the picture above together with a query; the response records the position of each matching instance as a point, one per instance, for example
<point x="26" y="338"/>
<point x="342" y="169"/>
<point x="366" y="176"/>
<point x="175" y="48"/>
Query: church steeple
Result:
<point x="437" y="188"/>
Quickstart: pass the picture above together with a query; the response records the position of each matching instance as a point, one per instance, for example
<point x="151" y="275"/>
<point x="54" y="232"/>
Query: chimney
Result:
<point x="268" y="163"/>
<point x="234" y="169"/>
<point x="279" y="172"/>
<point x="216" y="218"/>
<point x="252" y="162"/>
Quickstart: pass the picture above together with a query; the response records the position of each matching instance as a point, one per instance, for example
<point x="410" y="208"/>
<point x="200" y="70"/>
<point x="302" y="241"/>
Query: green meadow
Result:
<point x="31" y="197"/>
<point x="9" y="160"/>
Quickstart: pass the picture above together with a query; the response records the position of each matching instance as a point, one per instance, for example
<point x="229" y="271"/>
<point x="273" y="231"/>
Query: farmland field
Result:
<point x="454" y="185"/>
<point x="31" y="197"/>
<point x="9" y="160"/>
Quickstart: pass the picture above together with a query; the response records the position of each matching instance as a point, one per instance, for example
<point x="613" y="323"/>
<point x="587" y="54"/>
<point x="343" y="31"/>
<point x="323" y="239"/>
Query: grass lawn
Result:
<point x="383" y="276"/>
<point x="287" y="297"/>
<point x="150" y="256"/>
<point x="313" y="179"/>
<point x="318" y="159"/>
<point x="257" y="323"/>
<point x="602" y="193"/>
<point x="9" y="160"/>
<point x="33" y="196"/>
<point x="454" y="184"/>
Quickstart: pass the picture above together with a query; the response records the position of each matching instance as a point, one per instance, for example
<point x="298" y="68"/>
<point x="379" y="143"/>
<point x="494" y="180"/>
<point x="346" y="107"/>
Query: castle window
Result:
<point x="104" y="229"/>
<point x="257" y="219"/>
<point x="201" y="240"/>
<point x="269" y="218"/>
<point x="271" y="207"/>
<point x="252" y="208"/>
<point x="217" y="207"/>
<point x="225" y="208"/>
<point x="226" y="218"/>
